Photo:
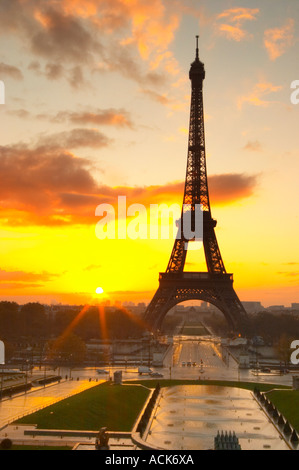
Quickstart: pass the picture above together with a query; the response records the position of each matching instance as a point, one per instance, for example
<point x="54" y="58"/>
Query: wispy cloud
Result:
<point x="10" y="71"/>
<point x="98" y="117"/>
<point x="75" y="138"/>
<point x="230" y="23"/>
<point x="289" y="273"/>
<point x="68" y="32"/>
<point x="16" y="280"/>
<point x="257" y="96"/>
<point x="278" y="40"/>
<point x="253" y="146"/>
<point x="24" y="276"/>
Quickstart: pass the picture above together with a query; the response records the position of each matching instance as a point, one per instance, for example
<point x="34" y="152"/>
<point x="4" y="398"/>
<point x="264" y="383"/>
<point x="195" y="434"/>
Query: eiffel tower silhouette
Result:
<point x="214" y="286"/>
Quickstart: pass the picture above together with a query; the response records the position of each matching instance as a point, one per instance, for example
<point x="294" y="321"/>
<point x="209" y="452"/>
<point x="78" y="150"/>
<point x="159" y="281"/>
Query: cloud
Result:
<point x="153" y="26"/>
<point x="15" y="286"/>
<point x="51" y="186"/>
<point x="230" y="22"/>
<point x="20" y="113"/>
<point x="240" y="14"/>
<point x="33" y="178"/>
<point x="48" y="31"/>
<point x="62" y="37"/>
<point x="10" y="71"/>
<point x="253" y="146"/>
<point x="98" y="117"/>
<point x="94" y="116"/>
<point x="232" y="32"/>
<point x="70" y="30"/>
<point x="75" y="138"/>
<point x="257" y="95"/>
<point x="76" y="77"/>
<point x="54" y="71"/>
<point x="122" y="59"/>
<point x="289" y="273"/>
<point x="162" y="99"/>
<point x="131" y="37"/>
<point x="93" y="267"/>
<point x="228" y="188"/>
<point x="15" y="280"/>
<point x="278" y="40"/>
<point x="23" y="276"/>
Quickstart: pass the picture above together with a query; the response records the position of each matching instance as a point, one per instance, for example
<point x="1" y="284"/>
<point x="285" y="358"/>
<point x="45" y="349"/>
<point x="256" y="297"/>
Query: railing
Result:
<point x="34" y="410"/>
<point x="39" y="408"/>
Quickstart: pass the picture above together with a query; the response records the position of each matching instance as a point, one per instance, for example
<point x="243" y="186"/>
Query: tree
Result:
<point x="6" y="444"/>
<point x="34" y="321"/>
<point x="69" y="349"/>
<point x="9" y="320"/>
<point x="283" y="348"/>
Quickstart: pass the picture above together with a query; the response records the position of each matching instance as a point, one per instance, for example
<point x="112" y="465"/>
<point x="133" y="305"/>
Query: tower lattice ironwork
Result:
<point x="216" y="285"/>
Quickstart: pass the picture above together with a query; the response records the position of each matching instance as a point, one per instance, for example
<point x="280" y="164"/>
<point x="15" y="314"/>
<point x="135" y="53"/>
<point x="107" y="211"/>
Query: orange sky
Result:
<point x="97" y="106"/>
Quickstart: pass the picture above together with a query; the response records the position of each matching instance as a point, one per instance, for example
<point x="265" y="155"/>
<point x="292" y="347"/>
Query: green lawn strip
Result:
<point x="287" y="403"/>
<point x="194" y="331"/>
<point x="113" y="406"/>
<point x="220" y="383"/>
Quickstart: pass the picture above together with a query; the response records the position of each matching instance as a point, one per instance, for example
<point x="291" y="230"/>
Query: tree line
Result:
<point x="32" y="321"/>
<point x="271" y="327"/>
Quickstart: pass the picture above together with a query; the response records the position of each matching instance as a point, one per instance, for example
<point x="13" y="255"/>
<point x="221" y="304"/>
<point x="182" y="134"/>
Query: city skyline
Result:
<point x="97" y="106"/>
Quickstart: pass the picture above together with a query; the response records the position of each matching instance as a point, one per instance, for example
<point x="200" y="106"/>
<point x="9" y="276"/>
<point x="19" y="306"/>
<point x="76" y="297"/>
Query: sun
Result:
<point x="99" y="290"/>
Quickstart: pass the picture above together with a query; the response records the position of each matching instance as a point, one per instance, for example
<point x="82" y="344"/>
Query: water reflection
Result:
<point x="189" y="418"/>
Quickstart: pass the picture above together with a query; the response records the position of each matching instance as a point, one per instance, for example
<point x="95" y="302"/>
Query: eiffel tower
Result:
<point x="216" y="285"/>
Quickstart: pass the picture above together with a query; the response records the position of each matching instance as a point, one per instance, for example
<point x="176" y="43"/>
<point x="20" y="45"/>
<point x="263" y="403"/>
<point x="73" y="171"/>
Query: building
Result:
<point x="253" y="307"/>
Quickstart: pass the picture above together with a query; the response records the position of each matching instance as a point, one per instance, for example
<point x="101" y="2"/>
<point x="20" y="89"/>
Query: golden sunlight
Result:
<point x="99" y="291"/>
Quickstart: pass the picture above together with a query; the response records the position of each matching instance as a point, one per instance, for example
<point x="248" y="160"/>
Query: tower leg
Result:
<point x="214" y="289"/>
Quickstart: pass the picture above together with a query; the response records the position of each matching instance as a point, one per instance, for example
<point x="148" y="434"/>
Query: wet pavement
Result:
<point x="185" y="349"/>
<point x="189" y="417"/>
<point x="208" y="352"/>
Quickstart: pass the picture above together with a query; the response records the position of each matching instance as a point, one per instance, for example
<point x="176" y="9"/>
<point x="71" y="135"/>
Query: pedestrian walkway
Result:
<point x="189" y="417"/>
<point x="27" y="403"/>
<point x="82" y="440"/>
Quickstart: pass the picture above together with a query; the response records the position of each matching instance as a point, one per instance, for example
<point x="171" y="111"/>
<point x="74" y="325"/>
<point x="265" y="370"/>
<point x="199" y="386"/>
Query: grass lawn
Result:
<point x="221" y="383"/>
<point x="195" y="330"/>
<point x="113" y="406"/>
<point x="287" y="402"/>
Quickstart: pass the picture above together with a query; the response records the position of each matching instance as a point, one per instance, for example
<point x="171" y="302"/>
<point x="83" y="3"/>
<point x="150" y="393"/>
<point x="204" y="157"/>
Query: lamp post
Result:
<point x="71" y="358"/>
<point x="26" y="375"/>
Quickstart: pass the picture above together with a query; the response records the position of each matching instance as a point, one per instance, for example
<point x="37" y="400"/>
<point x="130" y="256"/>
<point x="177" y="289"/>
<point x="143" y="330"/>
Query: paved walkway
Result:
<point x="16" y="434"/>
<point x="189" y="418"/>
<point x="21" y="405"/>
